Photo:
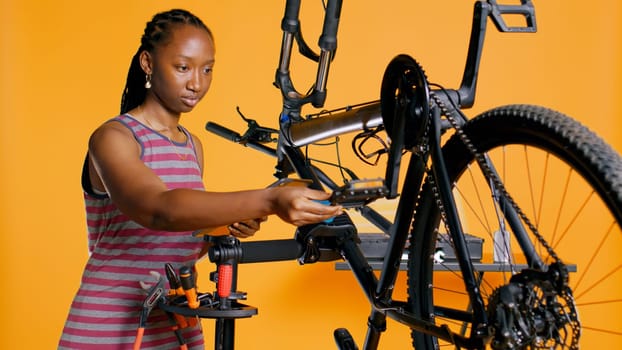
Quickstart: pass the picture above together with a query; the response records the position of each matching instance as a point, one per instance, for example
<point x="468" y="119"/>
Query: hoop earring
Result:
<point x="148" y="81"/>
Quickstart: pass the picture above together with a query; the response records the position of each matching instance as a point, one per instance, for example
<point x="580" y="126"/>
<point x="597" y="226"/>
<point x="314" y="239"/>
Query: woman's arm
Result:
<point x="140" y="194"/>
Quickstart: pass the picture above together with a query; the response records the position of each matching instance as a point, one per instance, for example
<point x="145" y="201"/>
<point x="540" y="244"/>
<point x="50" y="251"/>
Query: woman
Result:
<point x="144" y="193"/>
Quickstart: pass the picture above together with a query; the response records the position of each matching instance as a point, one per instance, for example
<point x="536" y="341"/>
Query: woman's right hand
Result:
<point x="300" y="205"/>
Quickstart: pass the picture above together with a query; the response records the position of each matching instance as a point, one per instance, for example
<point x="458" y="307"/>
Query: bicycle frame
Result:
<point x="296" y="132"/>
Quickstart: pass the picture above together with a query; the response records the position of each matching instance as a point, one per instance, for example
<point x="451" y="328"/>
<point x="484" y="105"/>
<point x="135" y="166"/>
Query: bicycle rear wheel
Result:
<point x="568" y="182"/>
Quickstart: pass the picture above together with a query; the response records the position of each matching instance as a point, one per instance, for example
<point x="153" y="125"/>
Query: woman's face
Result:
<point x="182" y="69"/>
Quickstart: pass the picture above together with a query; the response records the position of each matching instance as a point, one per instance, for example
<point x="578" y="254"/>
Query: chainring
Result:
<point x="405" y="100"/>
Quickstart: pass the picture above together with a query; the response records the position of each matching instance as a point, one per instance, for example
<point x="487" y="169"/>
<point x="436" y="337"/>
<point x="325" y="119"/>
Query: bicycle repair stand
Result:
<point x="224" y="308"/>
<point x="312" y="243"/>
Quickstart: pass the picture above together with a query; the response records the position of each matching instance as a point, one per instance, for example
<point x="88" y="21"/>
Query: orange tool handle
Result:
<point x="187" y="283"/>
<point x="139" y="338"/>
<point x="181" y="321"/>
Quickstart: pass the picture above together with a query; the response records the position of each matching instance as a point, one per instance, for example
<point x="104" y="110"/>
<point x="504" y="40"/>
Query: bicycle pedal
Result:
<point x="344" y="339"/>
<point x="357" y="193"/>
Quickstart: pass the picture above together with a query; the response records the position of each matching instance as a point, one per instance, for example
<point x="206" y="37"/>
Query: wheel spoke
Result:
<point x="598" y="282"/>
<point x="561" y="179"/>
<point x="562" y="202"/>
<point x="588" y="266"/>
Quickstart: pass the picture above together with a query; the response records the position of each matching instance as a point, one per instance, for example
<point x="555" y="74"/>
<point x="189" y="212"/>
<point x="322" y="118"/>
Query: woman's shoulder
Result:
<point x="113" y="129"/>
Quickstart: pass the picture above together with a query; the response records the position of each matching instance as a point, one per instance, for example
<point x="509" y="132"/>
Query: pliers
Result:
<point x="156" y="294"/>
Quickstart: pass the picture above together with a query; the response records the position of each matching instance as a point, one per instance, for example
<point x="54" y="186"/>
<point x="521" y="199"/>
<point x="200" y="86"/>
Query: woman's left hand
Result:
<point x="246" y="228"/>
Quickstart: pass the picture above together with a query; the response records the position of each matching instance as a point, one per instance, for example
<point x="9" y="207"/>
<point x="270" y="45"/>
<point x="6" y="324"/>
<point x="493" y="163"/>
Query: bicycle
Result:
<point x="468" y="190"/>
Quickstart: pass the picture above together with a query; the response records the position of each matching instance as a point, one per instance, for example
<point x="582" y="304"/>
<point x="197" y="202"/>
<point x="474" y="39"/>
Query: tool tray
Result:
<point x="236" y="310"/>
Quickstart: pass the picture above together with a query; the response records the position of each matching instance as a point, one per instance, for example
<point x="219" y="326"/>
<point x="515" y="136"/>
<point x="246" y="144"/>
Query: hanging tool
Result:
<point x="156" y="294"/>
<point x="176" y="290"/>
<point x="188" y="285"/>
<point x="173" y="280"/>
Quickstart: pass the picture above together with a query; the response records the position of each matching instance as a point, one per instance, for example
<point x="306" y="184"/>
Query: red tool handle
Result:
<point x="225" y="280"/>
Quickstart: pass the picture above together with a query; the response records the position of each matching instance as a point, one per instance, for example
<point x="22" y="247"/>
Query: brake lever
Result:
<point x="255" y="132"/>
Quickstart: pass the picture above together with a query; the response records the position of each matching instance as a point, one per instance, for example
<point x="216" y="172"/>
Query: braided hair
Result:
<point x="157" y="31"/>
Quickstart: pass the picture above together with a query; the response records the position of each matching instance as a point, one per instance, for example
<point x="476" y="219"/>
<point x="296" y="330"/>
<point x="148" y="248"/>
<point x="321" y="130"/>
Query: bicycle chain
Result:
<point x="492" y="175"/>
<point x="423" y="147"/>
<point x="499" y="185"/>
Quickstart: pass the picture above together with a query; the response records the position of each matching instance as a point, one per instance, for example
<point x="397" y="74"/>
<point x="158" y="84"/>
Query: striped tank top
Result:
<point x="105" y="311"/>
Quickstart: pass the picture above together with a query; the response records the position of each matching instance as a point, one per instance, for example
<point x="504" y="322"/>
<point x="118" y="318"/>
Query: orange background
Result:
<point x="63" y="66"/>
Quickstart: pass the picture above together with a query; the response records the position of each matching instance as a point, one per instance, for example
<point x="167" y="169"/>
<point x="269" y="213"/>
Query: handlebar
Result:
<point x="223" y="132"/>
<point x="237" y="138"/>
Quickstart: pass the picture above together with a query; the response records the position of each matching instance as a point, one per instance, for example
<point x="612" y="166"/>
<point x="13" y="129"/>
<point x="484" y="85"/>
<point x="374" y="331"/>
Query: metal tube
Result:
<point x="321" y="128"/>
<point x="286" y="52"/>
<point x="322" y="72"/>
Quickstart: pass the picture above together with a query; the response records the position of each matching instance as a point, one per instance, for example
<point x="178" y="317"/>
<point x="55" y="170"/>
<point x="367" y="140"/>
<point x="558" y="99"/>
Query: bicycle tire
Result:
<point x="524" y="143"/>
